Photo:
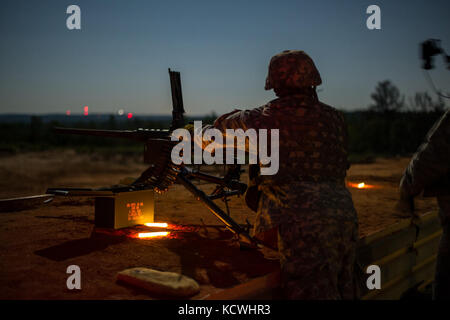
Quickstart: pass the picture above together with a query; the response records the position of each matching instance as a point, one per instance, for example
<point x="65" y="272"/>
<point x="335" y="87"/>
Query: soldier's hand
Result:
<point x="190" y="127"/>
<point x="405" y="205"/>
<point x="246" y="243"/>
<point x="405" y="208"/>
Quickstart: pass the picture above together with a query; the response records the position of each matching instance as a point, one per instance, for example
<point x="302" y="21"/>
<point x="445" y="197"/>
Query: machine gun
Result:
<point x="162" y="172"/>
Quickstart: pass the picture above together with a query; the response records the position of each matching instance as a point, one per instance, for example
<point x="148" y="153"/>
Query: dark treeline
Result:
<point x="372" y="133"/>
<point x="390" y="126"/>
<point x="36" y="134"/>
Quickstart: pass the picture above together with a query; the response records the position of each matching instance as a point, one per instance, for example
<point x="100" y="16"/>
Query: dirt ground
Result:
<point x="37" y="245"/>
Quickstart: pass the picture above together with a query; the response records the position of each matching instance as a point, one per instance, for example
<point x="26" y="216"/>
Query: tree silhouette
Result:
<point x="423" y="102"/>
<point x="387" y="98"/>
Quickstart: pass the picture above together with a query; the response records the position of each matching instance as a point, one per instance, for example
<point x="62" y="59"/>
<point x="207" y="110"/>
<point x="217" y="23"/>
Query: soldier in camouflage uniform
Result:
<point x="305" y="209"/>
<point x="429" y="171"/>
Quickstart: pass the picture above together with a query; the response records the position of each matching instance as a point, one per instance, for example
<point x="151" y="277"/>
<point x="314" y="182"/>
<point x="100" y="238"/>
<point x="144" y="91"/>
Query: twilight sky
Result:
<point x="119" y="58"/>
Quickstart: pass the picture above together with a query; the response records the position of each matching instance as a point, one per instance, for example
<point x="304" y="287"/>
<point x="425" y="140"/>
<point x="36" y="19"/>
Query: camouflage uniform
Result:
<point x="306" y="202"/>
<point x="429" y="171"/>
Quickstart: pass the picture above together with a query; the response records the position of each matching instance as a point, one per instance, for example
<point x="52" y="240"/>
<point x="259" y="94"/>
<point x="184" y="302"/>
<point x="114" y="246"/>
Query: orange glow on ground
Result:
<point x="156" y="224"/>
<point x="361" y="185"/>
<point x="143" y="235"/>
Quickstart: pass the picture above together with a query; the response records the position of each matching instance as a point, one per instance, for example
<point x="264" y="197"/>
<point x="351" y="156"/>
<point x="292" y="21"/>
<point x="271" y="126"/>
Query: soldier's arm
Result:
<point x="431" y="161"/>
<point x="237" y="119"/>
<point x="344" y="135"/>
<point x="240" y="119"/>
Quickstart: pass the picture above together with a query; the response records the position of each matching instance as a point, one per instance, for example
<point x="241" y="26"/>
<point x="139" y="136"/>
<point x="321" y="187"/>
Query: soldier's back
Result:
<point x="313" y="139"/>
<point x="310" y="184"/>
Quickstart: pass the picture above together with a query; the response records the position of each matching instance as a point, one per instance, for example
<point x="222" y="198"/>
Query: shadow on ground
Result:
<point x="79" y="247"/>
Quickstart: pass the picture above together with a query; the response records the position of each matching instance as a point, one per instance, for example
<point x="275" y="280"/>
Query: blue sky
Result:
<point x="119" y="58"/>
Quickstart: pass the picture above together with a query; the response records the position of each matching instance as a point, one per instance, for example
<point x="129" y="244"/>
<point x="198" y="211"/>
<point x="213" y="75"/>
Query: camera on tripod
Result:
<point x="430" y="48"/>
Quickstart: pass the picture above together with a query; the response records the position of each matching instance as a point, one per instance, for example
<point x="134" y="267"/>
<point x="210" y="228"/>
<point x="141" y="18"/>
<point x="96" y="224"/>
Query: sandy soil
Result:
<point x="37" y="245"/>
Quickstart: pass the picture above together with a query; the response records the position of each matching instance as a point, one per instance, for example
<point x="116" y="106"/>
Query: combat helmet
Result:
<point x="292" y="69"/>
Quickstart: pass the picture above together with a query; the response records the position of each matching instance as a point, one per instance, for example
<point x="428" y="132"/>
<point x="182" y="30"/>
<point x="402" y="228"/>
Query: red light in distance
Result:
<point x="129" y="115"/>
<point x="86" y="110"/>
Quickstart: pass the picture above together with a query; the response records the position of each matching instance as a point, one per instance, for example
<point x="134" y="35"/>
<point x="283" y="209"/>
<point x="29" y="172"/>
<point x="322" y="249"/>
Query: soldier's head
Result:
<point x="292" y="71"/>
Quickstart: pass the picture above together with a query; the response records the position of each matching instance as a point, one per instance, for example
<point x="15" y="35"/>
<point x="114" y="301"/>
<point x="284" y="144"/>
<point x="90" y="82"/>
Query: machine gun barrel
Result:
<point x="177" y="100"/>
<point x="137" y="135"/>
